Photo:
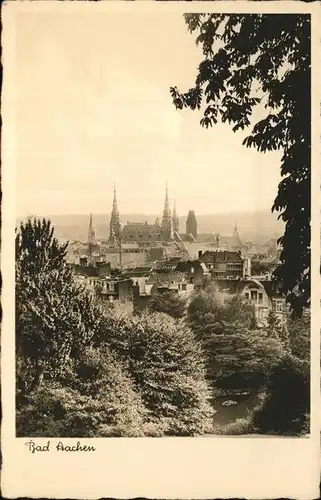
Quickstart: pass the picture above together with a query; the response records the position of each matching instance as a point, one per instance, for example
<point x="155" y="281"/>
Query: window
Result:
<point x="184" y="287"/>
<point x="260" y="298"/>
<point x="192" y="270"/>
<point x="253" y="295"/>
<point x="278" y="306"/>
<point x="247" y="295"/>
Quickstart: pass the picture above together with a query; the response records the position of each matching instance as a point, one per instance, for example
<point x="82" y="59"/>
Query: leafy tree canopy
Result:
<point x="238" y="355"/>
<point x="55" y="318"/>
<point x="168" y="303"/>
<point x="264" y="61"/>
<point x="166" y="364"/>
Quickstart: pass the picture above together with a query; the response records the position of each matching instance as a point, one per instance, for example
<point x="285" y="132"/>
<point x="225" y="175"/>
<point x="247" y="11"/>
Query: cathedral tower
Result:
<point x="175" y="220"/>
<point x="191" y="224"/>
<point x="166" y="226"/>
<point x="91" y="236"/>
<point x="114" y="226"/>
<point x="236" y="240"/>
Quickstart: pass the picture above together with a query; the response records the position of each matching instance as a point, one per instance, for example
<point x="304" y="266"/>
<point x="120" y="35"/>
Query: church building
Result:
<point x="143" y="232"/>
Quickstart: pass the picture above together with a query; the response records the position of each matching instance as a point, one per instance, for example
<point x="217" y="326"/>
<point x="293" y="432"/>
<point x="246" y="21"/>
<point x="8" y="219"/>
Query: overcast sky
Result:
<point x="93" y="108"/>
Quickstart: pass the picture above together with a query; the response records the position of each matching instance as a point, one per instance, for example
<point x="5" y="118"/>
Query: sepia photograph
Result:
<point x="160" y="250"/>
<point x="162" y="244"/>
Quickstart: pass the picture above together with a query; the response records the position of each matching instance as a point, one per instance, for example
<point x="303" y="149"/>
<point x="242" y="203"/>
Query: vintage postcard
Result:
<point x="160" y="250"/>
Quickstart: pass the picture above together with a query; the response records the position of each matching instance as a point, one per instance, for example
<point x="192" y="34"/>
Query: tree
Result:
<point x="210" y="306"/>
<point x="96" y="398"/>
<point x="299" y="334"/>
<point x="264" y="60"/>
<point x="239" y="356"/>
<point x="55" y="318"/>
<point x="276" y="330"/>
<point x="286" y="407"/>
<point x="168" y="303"/>
<point x="37" y="249"/>
<point x="166" y="364"/>
<point x="261" y="267"/>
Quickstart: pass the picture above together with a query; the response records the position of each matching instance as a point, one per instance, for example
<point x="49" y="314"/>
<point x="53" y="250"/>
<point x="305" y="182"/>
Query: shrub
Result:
<point x="286" y="407"/>
<point x="240" y="427"/>
<point x="97" y="400"/>
<point x="166" y="364"/>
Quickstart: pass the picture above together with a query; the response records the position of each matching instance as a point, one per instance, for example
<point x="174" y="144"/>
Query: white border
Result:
<point x="216" y="467"/>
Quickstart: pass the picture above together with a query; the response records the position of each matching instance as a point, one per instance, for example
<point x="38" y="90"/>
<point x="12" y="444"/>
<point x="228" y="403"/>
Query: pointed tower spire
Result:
<point x="236" y="238"/>
<point x="114" y="227"/>
<point x="115" y="207"/>
<point x="91" y="235"/>
<point x="91" y="231"/>
<point x="167" y="210"/>
<point x="167" y="229"/>
<point x="175" y="219"/>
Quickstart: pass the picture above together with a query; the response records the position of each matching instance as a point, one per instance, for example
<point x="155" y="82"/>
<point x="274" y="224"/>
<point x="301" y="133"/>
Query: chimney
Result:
<point x="136" y="291"/>
<point x="200" y="253"/>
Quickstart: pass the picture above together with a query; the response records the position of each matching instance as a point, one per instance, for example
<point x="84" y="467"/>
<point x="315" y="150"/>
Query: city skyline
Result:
<point x="101" y="112"/>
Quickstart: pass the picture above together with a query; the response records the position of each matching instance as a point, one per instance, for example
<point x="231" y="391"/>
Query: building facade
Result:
<point x="141" y="232"/>
<point x="263" y="295"/>
<point x="223" y="264"/>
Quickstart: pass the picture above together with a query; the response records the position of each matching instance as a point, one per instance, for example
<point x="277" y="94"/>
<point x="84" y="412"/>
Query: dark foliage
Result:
<point x="264" y="60"/>
<point x="299" y="335"/>
<point x="239" y="356"/>
<point x="168" y="303"/>
<point x="286" y="408"/>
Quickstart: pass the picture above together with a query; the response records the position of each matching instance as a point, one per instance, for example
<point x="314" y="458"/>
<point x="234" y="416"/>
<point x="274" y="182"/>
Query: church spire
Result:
<point x="115" y="207"/>
<point x="167" y="210"/>
<point x="236" y="242"/>
<point x="114" y="227"/>
<point x="167" y="229"/>
<point x="91" y="235"/>
<point x="175" y="219"/>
